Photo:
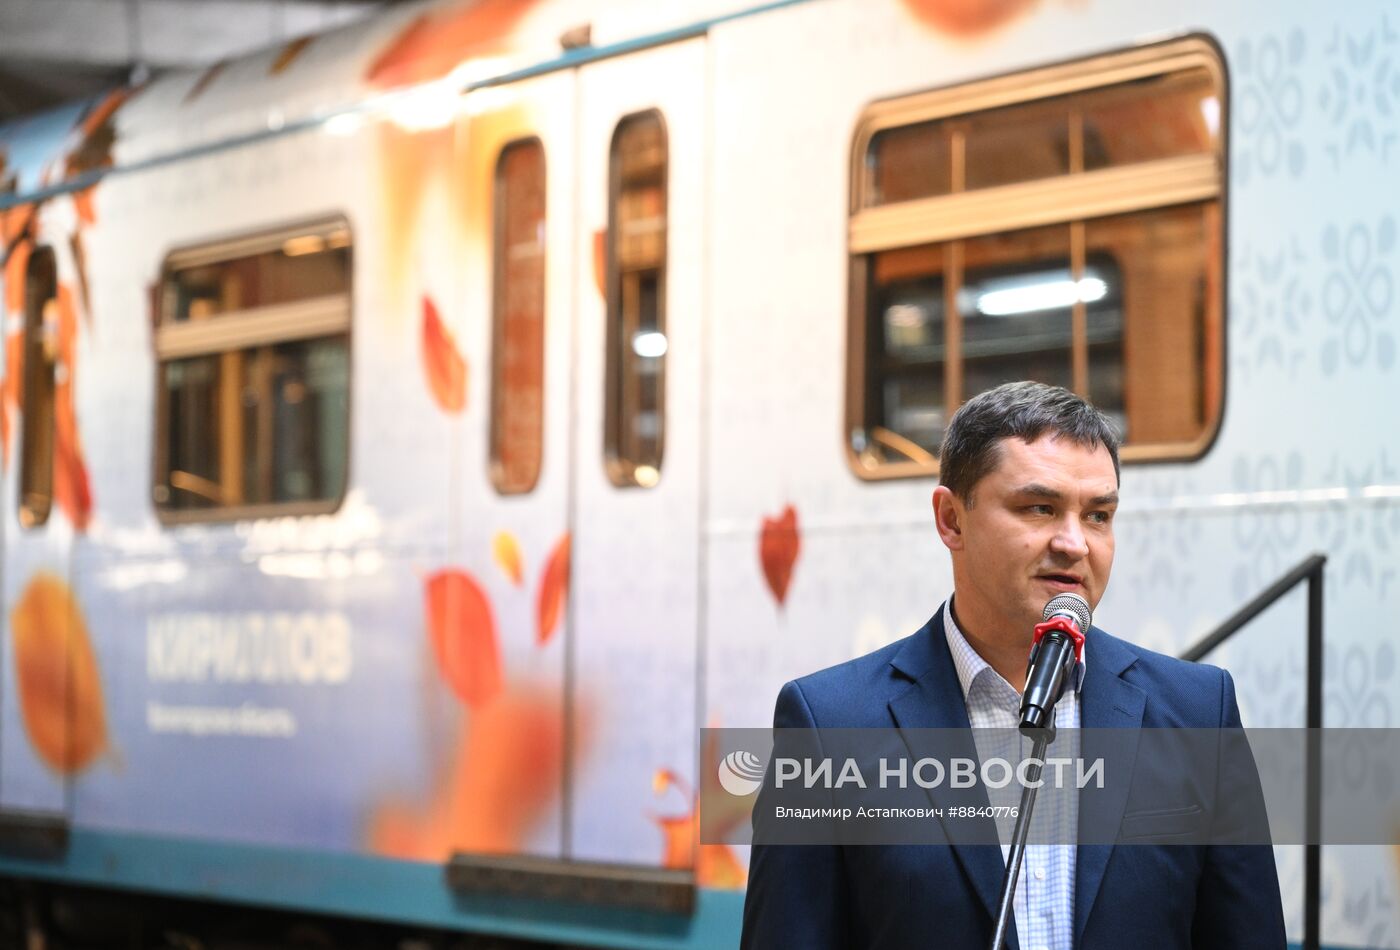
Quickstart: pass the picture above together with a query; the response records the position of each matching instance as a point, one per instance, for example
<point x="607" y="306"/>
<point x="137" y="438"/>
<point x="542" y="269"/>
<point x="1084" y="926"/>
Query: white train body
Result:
<point x="345" y="740"/>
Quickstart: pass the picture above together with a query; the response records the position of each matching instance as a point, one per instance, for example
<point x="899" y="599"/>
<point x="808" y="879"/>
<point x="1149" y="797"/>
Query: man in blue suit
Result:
<point x="1025" y="505"/>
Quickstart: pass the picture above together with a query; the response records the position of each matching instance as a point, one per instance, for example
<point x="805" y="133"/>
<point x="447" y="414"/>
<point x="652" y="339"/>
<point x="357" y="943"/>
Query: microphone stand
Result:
<point x="1041" y="738"/>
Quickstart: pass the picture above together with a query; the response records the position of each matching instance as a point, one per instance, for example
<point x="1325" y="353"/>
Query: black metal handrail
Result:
<point x="1310" y="570"/>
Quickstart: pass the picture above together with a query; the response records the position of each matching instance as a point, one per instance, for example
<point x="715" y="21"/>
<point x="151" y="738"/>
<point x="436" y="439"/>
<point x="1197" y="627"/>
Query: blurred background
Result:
<point x="422" y="419"/>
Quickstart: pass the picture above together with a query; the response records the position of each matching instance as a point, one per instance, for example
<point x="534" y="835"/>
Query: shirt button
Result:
<point x="1040" y="874"/>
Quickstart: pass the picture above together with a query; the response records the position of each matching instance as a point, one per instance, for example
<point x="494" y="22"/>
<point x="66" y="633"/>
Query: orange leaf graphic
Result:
<point x="97" y="137"/>
<point x="778" y="547"/>
<point x="67" y="328"/>
<point x="102" y="113"/>
<point x="504" y="776"/>
<point x="71" y="487"/>
<point x="82" y="203"/>
<point x="289" y="54"/>
<point x="204" y="81"/>
<point x="554" y="590"/>
<point x="678" y="833"/>
<point x="717" y="865"/>
<point x="75" y="244"/>
<point x="967" y="18"/>
<point x="506" y="550"/>
<point x="436" y="43"/>
<point x="14" y="365"/>
<point x="444" y="365"/>
<point x="9" y="396"/>
<point x="16" y="222"/>
<point x="60" y="689"/>
<point x="16" y="275"/>
<point x="720" y="868"/>
<point x="463" y="633"/>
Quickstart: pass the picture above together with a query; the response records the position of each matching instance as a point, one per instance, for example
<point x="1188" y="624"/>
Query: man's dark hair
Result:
<point x="1025" y="410"/>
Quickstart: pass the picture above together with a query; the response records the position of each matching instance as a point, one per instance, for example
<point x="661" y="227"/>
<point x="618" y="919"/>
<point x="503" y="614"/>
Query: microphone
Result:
<point x="1059" y="642"/>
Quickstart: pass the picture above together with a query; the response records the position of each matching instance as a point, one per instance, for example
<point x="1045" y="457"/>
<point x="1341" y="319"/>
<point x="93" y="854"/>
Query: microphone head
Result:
<point x="1073" y="605"/>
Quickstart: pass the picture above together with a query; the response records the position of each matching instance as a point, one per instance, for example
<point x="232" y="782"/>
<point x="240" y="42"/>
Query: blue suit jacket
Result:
<point x="1138" y="897"/>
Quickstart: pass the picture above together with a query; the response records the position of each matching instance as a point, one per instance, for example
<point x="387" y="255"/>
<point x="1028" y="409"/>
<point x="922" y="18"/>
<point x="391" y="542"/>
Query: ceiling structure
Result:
<point x="52" y="51"/>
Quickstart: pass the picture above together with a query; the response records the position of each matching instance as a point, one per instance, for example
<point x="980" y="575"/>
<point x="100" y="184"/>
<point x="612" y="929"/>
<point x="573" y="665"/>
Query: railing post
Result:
<point x="1312" y="802"/>
<point x="1310" y="570"/>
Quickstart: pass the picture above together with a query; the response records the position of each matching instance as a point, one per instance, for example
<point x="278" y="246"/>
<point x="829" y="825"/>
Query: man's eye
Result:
<point x="1099" y="517"/>
<point x="1040" y="510"/>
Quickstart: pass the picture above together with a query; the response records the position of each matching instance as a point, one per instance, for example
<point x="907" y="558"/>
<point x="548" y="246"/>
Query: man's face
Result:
<point x="1040" y="524"/>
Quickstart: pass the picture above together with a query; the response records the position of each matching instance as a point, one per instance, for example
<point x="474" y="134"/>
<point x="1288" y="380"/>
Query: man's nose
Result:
<point x="1069" y="540"/>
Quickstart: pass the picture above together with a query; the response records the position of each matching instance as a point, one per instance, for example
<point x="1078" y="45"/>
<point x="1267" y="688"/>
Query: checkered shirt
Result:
<point x="1044" y="905"/>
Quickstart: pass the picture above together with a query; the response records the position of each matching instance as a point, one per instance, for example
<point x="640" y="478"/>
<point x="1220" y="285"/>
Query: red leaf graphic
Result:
<point x="967" y="17"/>
<point x="463" y="633"/>
<point x="554" y="591"/>
<point x="436" y="43"/>
<point x="778" y="547"/>
<point x="444" y="365"/>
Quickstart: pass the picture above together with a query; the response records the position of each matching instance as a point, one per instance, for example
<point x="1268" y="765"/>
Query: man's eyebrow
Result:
<point x="1037" y="490"/>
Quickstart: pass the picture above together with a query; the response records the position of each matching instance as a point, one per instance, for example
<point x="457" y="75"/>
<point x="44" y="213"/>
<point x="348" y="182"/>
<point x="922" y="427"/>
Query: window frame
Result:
<point x="1071" y="200"/>
<point x="30" y="513"/>
<point x="498" y="315"/>
<point x="622" y="472"/>
<point x="309" y="319"/>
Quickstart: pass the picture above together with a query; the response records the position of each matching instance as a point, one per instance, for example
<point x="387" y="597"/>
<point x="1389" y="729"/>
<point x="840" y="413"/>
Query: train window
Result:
<point x="635" y="406"/>
<point x="41" y="355"/>
<point x="1023" y="142"/>
<point x="517" y="373"/>
<point x="911" y="161"/>
<point x="1062" y="225"/>
<point x="252" y="398"/>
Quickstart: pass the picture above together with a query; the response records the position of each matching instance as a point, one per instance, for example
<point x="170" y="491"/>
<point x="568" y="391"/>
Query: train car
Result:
<point x="415" y="435"/>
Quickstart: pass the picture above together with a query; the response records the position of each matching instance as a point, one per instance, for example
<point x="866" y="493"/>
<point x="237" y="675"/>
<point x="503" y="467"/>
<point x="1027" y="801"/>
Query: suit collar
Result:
<point x="920" y="654"/>
<point x="925" y="656"/>
<point x="934" y="700"/>
<point x="928" y="695"/>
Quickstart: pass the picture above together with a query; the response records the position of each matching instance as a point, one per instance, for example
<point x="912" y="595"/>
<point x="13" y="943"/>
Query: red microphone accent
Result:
<point x="1065" y="626"/>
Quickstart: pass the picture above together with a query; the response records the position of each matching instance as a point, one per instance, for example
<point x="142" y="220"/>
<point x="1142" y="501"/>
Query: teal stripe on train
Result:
<point x="364" y="886"/>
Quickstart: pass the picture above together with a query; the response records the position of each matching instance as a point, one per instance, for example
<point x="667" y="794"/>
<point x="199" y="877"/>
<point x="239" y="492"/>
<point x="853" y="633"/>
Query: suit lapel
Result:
<point x="1107" y="701"/>
<point x="934" y="700"/>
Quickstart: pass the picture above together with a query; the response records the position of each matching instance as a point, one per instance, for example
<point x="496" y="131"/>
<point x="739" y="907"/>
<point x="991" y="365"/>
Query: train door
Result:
<point x="515" y="161"/>
<point x="640" y="282"/>
<point x="47" y="732"/>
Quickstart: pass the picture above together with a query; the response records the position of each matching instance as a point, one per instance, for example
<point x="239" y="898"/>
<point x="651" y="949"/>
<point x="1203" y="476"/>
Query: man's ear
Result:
<point x="948" y="514"/>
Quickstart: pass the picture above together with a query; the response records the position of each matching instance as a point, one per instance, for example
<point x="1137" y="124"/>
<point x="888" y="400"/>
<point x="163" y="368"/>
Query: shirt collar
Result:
<point x="970" y="665"/>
